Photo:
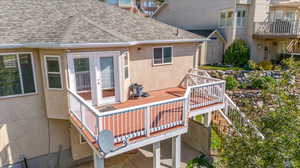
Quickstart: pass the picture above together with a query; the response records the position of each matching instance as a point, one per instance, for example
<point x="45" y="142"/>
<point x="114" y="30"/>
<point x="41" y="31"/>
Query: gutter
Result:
<point x="95" y="45"/>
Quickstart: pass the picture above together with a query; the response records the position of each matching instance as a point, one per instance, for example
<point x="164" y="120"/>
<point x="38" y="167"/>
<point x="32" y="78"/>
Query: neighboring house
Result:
<point x="271" y="28"/>
<point x="143" y="7"/>
<point x="66" y="68"/>
<point x="212" y="50"/>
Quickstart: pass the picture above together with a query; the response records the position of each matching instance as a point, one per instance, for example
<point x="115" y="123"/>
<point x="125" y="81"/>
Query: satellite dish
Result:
<point x="106" y="141"/>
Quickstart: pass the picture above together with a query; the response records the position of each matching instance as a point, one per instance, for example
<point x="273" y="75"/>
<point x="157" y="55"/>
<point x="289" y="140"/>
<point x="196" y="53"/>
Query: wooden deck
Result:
<point x="155" y="96"/>
<point x="131" y="124"/>
<point x="86" y="95"/>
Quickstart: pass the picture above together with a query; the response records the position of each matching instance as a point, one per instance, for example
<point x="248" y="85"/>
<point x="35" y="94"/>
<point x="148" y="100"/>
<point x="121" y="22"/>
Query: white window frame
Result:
<point x="57" y="73"/>
<point x="20" y="75"/>
<point x="220" y="18"/>
<point x="243" y="19"/>
<point x="126" y="66"/>
<point x="226" y="11"/>
<point x="163" y="55"/>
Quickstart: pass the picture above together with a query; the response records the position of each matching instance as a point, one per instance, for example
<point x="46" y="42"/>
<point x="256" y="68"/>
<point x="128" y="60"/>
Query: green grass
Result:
<point x="215" y="140"/>
<point x="221" y="68"/>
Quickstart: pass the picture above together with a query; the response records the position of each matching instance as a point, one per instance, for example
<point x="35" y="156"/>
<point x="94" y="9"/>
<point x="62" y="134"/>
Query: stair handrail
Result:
<point x="229" y="101"/>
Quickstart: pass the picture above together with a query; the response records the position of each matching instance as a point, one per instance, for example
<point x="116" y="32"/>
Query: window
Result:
<point x="162" y="55"/>
<point x="222" y="19"/>
<point x="229" y="18"/>
<point x="82" y="74"/>
<point x="126" y="65"/>
<point x="241" y="17"/>
<point x="125" y="2"/>
<point x="16" y="74"/>
<point x="112" y="2"/>
<point x="52" y="64"/>
<point x="149" y="4"/>
<point x="226" y="18"/>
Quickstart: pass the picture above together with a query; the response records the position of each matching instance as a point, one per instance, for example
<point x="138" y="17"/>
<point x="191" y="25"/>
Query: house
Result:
<point x="58" y="57"/>
<point x="66" y="77"/>
<point x="143" y="7"/>
<point x="212" y="50"/>
<point x="270" y="28"/>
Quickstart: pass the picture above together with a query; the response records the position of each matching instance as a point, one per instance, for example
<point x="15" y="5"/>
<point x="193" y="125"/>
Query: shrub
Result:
<point x="243" y="85"/>
<point x="266" y="65"/>
<point x="237" y="54"/>
<point x="263" y="82"/>
<point x="231" y="83"/>
<point x="200" y="161"/>
<point x="252" y="65"/>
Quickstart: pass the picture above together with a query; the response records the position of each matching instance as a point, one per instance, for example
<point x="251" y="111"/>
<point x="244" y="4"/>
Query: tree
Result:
<point x="280" y="124"/>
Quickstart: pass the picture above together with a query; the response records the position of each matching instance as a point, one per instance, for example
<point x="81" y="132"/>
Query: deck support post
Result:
<point x="98" y="161"/>
<point x="156" y="155"/>
<point x="207" y="119"/>
<point x="176" y="151"/>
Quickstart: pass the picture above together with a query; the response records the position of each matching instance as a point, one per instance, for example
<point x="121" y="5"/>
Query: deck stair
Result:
<point x="291" y="48"/>
<point x="230" y="119"/>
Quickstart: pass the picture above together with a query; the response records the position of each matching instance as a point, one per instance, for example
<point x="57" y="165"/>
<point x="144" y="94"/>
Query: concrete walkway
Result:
<point x="142" y="158"/>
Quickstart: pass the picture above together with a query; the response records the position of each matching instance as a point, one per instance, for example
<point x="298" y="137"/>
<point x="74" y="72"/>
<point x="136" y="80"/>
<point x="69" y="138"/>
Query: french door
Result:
<point x="95" y="76"/>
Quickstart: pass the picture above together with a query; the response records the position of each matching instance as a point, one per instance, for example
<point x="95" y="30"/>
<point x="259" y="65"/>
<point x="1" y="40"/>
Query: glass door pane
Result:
<point x="82" y="75"/>
<point x="107" y="76"/>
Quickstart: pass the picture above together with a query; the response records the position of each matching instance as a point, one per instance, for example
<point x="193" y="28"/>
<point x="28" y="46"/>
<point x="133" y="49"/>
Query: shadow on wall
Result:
<point x="10" y="154"/>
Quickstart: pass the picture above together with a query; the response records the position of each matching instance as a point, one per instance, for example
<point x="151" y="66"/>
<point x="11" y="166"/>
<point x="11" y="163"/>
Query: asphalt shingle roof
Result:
<point x="78" y="21"/>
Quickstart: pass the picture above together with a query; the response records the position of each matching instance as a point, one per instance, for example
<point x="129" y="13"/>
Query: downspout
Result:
<point x="234" y="26"/>
<point x="198" y="55"/>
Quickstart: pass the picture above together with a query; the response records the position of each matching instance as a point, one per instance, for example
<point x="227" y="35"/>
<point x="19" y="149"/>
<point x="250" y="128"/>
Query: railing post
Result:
<point x="97" y="130"/>
<point x="186" y="110"/>
<point x="147" y="121"/>
<point x="80" y="108"/>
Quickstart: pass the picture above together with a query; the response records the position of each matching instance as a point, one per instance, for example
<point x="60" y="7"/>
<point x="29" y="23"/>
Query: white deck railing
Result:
<point x="232" y="113"/>
<point x="277" y="28"/>
<point x="146" y="119"/>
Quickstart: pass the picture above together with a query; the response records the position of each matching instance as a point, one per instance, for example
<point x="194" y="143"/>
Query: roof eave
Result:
<point x="95" y="45"/>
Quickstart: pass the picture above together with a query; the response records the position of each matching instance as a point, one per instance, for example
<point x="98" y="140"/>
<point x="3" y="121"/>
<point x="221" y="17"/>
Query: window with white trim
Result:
<point x="241" y="17"/>
<point x="162" y="55"/>
<point x="52" y="64"/>
<point x="229" y="18"/>
<point x="226" y="18"/>
<point x="126" y="65"/>
<point x="16" y="74"/>
<point x="222" y="19"/>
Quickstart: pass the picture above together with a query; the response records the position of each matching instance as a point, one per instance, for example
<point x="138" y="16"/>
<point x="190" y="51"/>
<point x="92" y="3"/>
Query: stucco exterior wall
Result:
<point x="194" y="14"/>
<point x="23" y="123"/>
<point x="56" y="99"/>
<point x="155" y="77"/>
<point x="25" y="130"/>
<point x="79" y="151"/>
<point x="36" y="125"/>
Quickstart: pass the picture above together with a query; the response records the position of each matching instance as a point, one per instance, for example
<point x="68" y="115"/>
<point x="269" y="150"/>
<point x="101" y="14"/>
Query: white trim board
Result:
<point x="60" y="72"/>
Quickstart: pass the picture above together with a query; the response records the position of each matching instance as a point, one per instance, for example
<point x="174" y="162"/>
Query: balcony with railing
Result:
<point x="277" y="29"/>
<point x="287" y="3"/>
<point x="135" y="120"/>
